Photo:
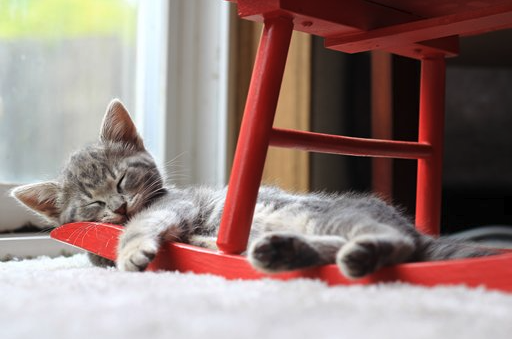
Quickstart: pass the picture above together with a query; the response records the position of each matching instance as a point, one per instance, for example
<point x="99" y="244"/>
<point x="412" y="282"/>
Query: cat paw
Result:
<point x="359" y="258"/>
<point x="136" y="254"/>
<point x="277" y="252"/>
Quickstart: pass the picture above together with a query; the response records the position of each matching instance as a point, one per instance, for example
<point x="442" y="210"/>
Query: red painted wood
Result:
<point x="97" y="238"/>
<point x="491" y="272"/>
<point x="463" y="23"/>
<point x="431" y="131"/>
<point x="409" y="28"/>
<point x="336" y="144"/>
<point x="447" y="46"/>
<point x="254" y="136"/>
<point x="330" y="18"/>
<point x="327" y="17"/>
<point x="432" y="8"/>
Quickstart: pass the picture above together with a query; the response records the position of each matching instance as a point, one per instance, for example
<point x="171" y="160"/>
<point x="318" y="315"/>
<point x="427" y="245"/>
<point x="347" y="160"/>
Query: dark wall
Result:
<point x="478" y="139"/>
<point x="477" y="186"/>
<point x="340" y="105"/>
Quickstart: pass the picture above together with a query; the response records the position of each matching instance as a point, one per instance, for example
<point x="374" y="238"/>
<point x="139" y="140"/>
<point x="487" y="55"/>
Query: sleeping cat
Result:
<point x="116" y="181"/>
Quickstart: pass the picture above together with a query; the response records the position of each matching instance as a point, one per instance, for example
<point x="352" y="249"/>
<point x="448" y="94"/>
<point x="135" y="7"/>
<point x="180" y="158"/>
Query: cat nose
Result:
<point x="121" y="209"/>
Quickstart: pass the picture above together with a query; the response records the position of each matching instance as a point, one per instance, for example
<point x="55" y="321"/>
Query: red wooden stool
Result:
<point x="348" y="26"/>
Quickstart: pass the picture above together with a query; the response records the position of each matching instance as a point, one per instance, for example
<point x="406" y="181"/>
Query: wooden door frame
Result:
<point x="286" y="168"/>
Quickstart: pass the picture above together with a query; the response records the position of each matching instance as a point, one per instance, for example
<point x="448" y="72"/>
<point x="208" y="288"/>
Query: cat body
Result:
<point x="117" y="181"/>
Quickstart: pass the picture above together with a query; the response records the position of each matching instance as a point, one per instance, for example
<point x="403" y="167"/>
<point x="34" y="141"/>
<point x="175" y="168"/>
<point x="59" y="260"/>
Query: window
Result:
<point x="61" y="61"/>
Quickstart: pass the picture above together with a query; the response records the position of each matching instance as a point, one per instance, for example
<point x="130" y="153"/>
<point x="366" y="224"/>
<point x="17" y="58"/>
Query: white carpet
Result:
<point x="67" y="298"/>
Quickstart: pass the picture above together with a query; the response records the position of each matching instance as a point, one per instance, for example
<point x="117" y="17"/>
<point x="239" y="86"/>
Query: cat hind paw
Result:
<point x="278" y="252"/>
<point x="360" y="258"/>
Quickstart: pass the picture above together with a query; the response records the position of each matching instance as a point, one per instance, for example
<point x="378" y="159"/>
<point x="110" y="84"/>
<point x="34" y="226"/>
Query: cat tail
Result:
<point x="431" y="249"/>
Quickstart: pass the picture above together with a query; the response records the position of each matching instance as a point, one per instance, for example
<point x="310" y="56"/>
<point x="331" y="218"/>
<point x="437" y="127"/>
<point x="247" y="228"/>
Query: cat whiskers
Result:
<point x="80" y="233"/>
<point x="88" y="228"/>
<point x="171" y="165"/>
<point x="151" y="186"/>
<point x="174" y="160"/>
<point x="45" y="230"/>
<point x="176" y="176"/>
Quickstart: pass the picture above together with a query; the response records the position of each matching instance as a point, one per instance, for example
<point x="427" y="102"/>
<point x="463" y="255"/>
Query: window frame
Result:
<point x="161" y="102"/>
<point x="197" y="90"/>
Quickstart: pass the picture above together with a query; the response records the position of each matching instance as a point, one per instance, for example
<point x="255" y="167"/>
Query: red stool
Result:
<point x="349" y="26"/>
<point x="342" y="23"/>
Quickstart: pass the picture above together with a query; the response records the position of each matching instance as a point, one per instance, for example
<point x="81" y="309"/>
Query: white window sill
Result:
<point x="30" y="245"/>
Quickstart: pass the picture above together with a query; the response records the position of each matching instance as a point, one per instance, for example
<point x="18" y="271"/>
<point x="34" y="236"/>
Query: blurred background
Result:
<point x="60" y="63"/>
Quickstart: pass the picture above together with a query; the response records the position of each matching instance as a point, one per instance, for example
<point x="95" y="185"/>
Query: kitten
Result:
<point x="116" y="181"/>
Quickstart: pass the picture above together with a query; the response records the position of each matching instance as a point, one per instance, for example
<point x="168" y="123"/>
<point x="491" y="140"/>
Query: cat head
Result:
<point x="108" y="181"/>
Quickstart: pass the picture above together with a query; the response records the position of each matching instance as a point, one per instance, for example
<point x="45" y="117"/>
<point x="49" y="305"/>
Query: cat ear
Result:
<point x="117" y="126"/>
<point x="41" y="198"/>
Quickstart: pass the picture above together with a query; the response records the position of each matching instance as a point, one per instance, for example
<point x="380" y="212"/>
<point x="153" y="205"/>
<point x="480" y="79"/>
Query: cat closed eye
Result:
<point x="119" y="183"/>
<point x="97" y="203"/>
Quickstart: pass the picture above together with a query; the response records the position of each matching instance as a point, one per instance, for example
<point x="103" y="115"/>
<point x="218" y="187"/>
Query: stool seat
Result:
<point x="408" y="28"/>
<point x="101" y="239"/>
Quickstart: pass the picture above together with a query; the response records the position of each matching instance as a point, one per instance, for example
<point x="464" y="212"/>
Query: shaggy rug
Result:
<point x="65" y="297"/>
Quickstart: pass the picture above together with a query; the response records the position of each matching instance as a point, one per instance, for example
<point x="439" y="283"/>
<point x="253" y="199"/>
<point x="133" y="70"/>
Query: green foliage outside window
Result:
<point x="57" y="19"/>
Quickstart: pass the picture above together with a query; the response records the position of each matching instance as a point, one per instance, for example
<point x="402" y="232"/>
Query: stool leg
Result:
<point x="431" y="131"/>
<point x="254" y="136"/>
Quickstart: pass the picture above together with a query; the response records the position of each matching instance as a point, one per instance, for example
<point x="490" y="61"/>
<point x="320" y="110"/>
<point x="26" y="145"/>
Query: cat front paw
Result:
<point x="278" y="252"/>
<point x="136" y="254"/>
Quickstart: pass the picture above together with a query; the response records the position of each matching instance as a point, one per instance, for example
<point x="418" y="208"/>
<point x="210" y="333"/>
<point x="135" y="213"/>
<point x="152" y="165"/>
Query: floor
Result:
<point x="65" y="297"/>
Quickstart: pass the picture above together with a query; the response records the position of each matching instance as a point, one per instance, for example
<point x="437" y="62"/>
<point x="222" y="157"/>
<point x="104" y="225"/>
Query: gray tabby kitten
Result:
<point x="117" y="181"/>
